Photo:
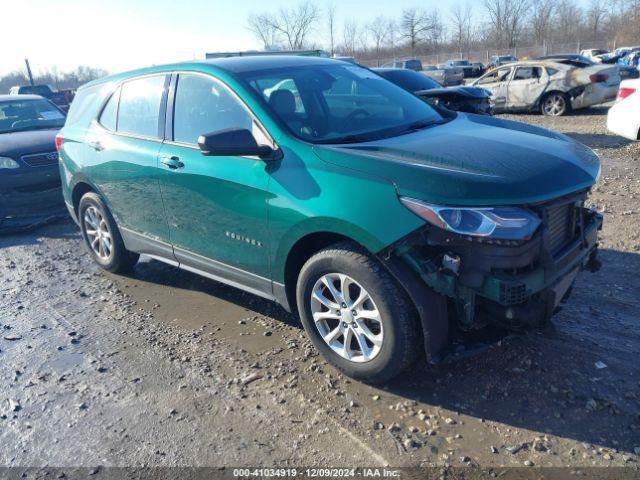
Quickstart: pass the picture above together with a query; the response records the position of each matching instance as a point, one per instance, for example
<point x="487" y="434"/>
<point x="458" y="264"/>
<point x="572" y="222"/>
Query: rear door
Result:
<point x="216" y="205"/>
<point x="122" y="148"/>
<point x="526" y="86"/>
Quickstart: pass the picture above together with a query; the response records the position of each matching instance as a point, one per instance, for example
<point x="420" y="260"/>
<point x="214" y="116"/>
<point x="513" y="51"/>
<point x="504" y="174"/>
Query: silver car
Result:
<point x="550" y="87"/>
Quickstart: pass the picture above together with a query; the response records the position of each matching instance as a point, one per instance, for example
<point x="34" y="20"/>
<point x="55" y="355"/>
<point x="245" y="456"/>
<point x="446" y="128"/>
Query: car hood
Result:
<point x="474" y="160"/>
<point x="31" y="141"/>
<point x="469" y="92"/>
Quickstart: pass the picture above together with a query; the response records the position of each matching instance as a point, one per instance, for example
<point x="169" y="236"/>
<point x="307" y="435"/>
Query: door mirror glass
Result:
<point x="238" y="142"/>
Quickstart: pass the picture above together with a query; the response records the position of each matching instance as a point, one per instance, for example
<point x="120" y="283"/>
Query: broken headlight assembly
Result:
<point x="502" y="223"/>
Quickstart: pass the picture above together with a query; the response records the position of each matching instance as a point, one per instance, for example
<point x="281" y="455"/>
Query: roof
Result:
<point x="5" y="98"/>
<point x="228" y="64"/>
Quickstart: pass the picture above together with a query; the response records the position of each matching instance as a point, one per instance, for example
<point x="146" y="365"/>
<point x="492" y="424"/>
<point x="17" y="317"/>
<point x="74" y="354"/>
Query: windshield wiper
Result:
<point x="420" y="125"/>
<point x="347" y="139"/>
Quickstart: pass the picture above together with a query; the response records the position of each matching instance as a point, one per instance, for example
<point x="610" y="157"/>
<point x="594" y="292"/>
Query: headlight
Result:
<point x="6" y="162"/>
<point x="506" y="223"/>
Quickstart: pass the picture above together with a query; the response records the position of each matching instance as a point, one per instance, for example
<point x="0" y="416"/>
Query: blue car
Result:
<point x="30" y="187"/>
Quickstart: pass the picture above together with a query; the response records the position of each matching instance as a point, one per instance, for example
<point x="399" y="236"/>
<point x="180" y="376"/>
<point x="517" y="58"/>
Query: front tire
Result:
<point x="356" y="314"/>
<point x="555" y="104"/>
<point x="102" y="237"/>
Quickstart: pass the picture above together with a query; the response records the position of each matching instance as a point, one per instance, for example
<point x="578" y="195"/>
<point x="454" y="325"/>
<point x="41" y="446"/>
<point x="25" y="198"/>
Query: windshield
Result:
<point x="460" y="63"/>
<point x="339" y="103"/>
<point x="18" y="115"/>
<point x="410" y="80"/>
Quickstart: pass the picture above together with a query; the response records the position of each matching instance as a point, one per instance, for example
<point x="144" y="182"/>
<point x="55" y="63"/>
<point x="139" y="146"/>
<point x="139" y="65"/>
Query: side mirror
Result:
<point x="238" y="142"/>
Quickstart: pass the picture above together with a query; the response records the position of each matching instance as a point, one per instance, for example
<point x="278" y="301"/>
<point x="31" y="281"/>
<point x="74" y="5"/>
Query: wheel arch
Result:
<point x="78" y="191"/>
<point x="301" y="251"/>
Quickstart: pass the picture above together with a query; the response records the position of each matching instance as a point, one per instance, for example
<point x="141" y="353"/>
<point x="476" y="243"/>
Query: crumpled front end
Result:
<point x="509" y="283"/>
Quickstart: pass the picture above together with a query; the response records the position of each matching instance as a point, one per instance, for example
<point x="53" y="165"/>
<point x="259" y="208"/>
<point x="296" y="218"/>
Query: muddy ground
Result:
<point x="166" y="368"/>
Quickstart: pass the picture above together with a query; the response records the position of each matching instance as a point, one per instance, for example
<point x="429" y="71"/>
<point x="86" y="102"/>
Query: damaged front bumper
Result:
<point x="462" y="283"/>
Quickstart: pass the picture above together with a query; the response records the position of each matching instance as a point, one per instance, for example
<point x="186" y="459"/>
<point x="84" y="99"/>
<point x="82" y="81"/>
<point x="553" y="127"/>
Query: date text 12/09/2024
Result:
<point x="316" y="472"/>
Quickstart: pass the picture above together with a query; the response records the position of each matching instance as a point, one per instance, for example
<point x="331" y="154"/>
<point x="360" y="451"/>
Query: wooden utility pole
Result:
<point x="26" y="61"/>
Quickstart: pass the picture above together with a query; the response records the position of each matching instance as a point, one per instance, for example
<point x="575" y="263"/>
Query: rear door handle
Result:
<point x="172" y="162"/>
<point x="97" y="146"/>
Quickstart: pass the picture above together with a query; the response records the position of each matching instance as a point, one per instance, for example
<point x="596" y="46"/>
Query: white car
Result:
<point x="594" y="54"/>
<point x="624" y="116"/>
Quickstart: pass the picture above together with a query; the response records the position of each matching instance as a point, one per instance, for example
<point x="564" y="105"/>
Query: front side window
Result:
<point x="496" y="76"/>
<point x="37" y="114"/>
<point x="339" y="103"/>
<point x="203" y="105"/>
<point x="139" y="108"/>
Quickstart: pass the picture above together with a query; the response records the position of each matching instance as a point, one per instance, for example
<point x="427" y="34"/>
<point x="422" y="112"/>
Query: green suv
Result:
<point x="389" y="225"/>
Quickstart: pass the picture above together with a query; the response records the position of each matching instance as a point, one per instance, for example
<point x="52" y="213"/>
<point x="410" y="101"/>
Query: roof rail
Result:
<point x="250" y="53"/>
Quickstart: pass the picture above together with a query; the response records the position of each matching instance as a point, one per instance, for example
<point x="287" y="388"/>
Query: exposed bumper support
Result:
<point x="514" y="286"/>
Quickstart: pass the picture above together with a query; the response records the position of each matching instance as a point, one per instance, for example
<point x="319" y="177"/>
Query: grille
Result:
<point x="560" y="221"/>
<point x="41" y="159"/>
<point x="513" y="294"/>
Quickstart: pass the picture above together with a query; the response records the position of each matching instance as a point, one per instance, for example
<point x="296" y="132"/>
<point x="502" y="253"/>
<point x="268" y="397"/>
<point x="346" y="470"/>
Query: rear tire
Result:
<point x="102" y="237"/>
<point x="371" y="332"/>
<point x="555" y="104"/>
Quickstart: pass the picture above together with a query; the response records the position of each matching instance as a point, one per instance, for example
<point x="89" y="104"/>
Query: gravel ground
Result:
<point x="164" y="368"/>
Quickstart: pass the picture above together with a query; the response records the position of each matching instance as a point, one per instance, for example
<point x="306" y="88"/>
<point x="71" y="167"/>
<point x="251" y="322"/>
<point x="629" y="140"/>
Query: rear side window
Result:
<point x="202" y="105"/>
<point x="139" y="107"/>
<point x="527" y="73"/>
<point x="110" y="112"/>
<point x="84" y="105"/>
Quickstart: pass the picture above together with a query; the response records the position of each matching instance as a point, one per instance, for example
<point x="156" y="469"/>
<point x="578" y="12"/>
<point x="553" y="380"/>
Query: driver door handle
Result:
<point x="96" y="145"/>
<point x="172" y="162"/>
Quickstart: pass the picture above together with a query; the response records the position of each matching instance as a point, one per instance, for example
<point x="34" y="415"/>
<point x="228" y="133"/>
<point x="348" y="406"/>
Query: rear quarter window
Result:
<point x="84" y="105"/>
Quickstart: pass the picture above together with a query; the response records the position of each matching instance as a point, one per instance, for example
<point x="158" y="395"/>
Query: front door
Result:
<point x="216" y="205"/>
<point x="496" y="81"/>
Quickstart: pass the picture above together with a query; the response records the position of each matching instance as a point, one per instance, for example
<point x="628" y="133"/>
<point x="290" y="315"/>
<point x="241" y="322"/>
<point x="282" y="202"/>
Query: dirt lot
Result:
<point x="166" y="368"/>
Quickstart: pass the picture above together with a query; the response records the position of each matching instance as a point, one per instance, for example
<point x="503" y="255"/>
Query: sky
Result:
<point x="119" y="35"/>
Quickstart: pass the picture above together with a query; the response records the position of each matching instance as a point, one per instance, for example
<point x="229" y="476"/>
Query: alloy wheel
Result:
<point x="346" y="317"/>
<point x="98" y="233"/>
<point x="555" y="105"/>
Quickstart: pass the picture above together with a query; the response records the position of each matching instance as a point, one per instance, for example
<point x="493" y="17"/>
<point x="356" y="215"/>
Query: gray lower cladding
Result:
<point x="207" y="267"/>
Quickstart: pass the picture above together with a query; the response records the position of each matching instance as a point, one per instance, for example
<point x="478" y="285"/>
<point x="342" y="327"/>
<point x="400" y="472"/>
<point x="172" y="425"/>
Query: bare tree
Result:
<point x="414" y="25"/>
<point x="293" y="24"/>
<point x="263" y="27"/>
<point x="461" y="20"/>
<point x="568" y="20"/>
<point x="350" y="37"/>
<point x="331" y="23"/>
<point x="542" y="20"/>
<point x="507" y="18"/>
<point x="379" y="31"/>
<point x="596" y="15"/>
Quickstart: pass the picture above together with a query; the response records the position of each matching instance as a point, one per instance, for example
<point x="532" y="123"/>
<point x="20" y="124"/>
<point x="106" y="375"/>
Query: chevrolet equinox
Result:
<point x="388" y="224"/>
